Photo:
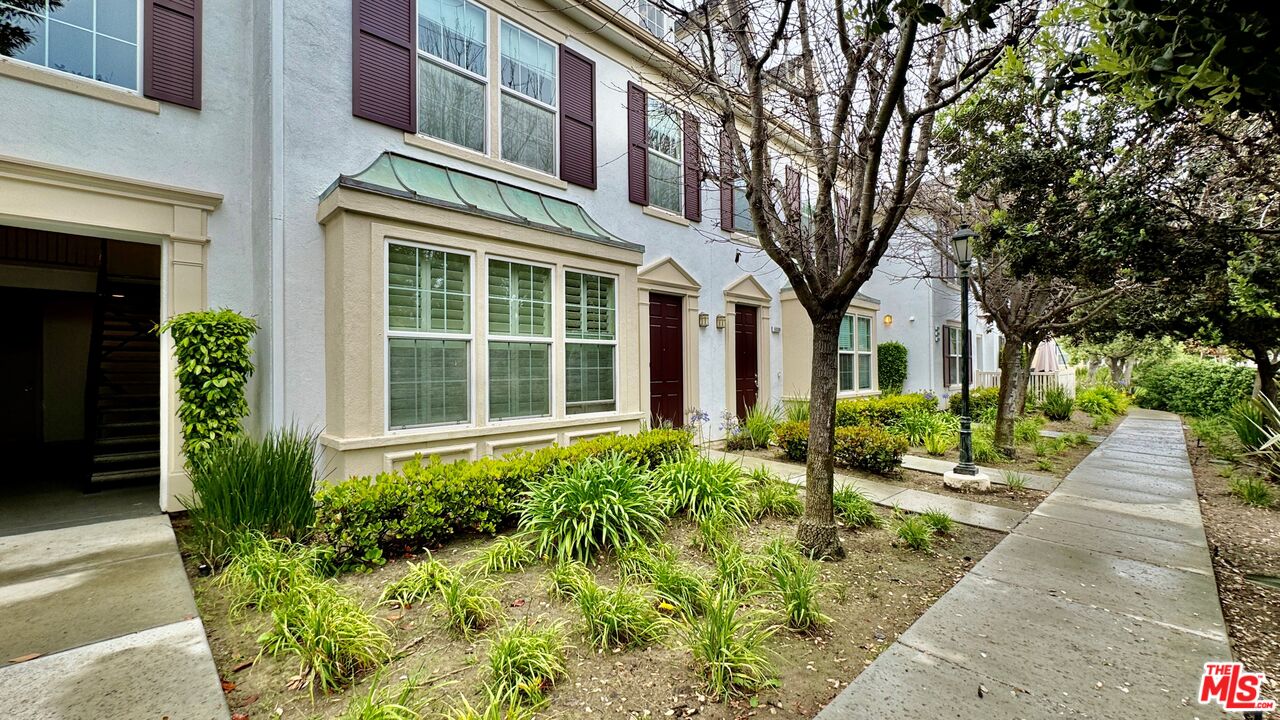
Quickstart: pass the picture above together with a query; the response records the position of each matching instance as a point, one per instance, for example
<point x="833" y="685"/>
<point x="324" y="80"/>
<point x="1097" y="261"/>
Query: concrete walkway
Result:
<point x="97" y="618"/>
<point x="1101" y="604"/>
<point x="889" y="494"/>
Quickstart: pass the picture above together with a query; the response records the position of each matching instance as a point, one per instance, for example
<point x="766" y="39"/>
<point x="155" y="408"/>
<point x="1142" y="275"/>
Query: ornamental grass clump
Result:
<point x="594" y="505"/>
<point x="620" y="617"/>
<point x="494" y="709"/>
<point x="334" y="638"/>
<point x="1252" y="491"/>
<point x="915" y="533"/>
<point x="470" y="604"/>
<point x="566" y="579"/>
<point x="727" y="645"/>
<point x="263" y="570"/>
<point x="736" y="568"/>
<point x="419" y="583"/>
<point x="778" y="499"/>
<point x="939" y="520"/>
<point x="1027" y="429"/>
<point x="386" y="702"/>
<point x="525" y="660"/>
<point x="854" y="509"/>
<point x="715" y="532"/>
<point x="700" y="487"/>
<point x="797" y="584"/>
<point x="1057" y="404"/>
<point x="679" y="588"/>
<point x="1015" y="481"/>
<point x="940" y="443"/>
<point x="505" y="554"/>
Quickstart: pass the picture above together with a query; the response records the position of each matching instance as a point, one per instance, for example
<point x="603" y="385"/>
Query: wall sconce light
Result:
<point x="721" y="322"/>
<point x="776" y="330"/>
<point x="703" y="319"/>
<point x="888" y="321"/>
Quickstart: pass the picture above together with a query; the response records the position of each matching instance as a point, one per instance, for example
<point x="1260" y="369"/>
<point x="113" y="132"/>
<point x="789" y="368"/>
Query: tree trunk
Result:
<point x="817" y="531"/>
<point x="1014" y="375"/>
<point x="1267" y="368"/>
<point x="1117" y="367"/>
<point x="1094" y="364"/>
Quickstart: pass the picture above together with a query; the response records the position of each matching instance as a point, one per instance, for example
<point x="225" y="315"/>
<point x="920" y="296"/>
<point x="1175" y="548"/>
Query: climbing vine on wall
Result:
<point x="213" y="354"/>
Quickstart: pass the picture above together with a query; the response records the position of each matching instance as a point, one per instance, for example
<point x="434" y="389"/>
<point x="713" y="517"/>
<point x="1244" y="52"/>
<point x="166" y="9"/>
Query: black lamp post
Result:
<point x="961" y="241"/>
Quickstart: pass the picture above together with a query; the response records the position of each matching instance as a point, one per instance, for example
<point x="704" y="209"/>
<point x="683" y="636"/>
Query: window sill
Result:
<point x="483" y="160"/>
<point x="37" y="75"/>
<point x="744" y="239"/>
<point x="412" y="437"/>
<point x="666" y="215"/>
<point x="849" y="394"/>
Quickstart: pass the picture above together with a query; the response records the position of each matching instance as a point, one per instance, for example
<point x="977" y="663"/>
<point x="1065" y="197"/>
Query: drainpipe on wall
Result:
<point x="277" y="216"/>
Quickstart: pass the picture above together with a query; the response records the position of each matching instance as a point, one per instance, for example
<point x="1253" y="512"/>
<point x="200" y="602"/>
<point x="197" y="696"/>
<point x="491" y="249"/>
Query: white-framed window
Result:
<point x="855" y="362"/>
<point x="666" y="148"/>
<point x="652" y="18"/>
<point x="429" y="336"/>
<point x="520" y="344"/>
<point x="95" y="39"/>
<point x="529" y="102"/>
<point x="591" y="342"/>
<point x="742" y="221"/>
<point x="955" y="346"/>
<point x="453" y="73"/>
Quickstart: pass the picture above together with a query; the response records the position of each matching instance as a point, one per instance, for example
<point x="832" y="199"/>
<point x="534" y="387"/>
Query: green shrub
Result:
<point x="421" y="581"/>
<point x="1192" y="387"/>
<point x="597" y="504"/>
<point x="795" y="411"/>
<point x="701" y="487"/>
<point x="727" y="644"/>
<point x="524" y="661"/>
<point x="881" y="411"/>
<point x="1102" y="400"/>
<point x="854" y="509"/>
<point x="212" y="351"/>
<point x="1101" y="420"/>
<point x="868" y="448"/>
<point x="240" y="484"/>
<point x="940" y="443"/>
<point x="913" y="532"/>
<point x="365" y="519"/>
<point x="891" y="361"/>
<point x="1252" y="491"/>
<point x="504" y="555"/>
<point x="916" y="424"/>
<point x="1249" y="422"/>
<point x="621" y="617"/>
<point x="793" y="440"/>
<point x="777" y="498"/>
<point x="981" y="401"/>
<point x="470" y="603"/>
<point x="1057" y="404"/>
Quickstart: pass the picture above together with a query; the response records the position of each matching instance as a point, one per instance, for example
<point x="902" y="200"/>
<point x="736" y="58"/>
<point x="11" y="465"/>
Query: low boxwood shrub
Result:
<point x="365" y="519"/>
<point x="869" y="448"/>
<point x="1201" y="388"/>
<point x="793" y="440"/>
<point x="881" y="411"/>
<point x="981" y="400"/>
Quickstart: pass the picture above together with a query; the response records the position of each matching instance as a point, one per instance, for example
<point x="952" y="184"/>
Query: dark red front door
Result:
<point x="745" y="363"/>
<point x="666" y="360"/>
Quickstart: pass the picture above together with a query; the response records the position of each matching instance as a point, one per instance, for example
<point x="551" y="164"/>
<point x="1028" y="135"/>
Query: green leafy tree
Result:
<point x="214" y="364"/>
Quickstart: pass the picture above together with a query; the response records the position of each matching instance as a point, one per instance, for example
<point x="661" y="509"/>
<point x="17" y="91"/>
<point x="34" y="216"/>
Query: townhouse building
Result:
<point x="463" y="226"/>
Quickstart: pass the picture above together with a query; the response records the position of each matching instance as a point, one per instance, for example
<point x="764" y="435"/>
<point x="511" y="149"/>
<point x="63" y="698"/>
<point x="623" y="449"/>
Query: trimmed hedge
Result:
<point x="881" y="411"/>
<point x="365" y="519"/>
<point x="980" y="400"/>
<point x="891" y="359"/>
<point x="860" y="447"/>
<point x="1102" y="400"/>
<point x="1202" y="388"/>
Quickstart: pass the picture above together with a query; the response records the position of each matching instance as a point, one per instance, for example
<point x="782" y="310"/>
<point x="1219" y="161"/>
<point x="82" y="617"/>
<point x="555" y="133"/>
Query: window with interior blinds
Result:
<point x="519" y="299"/>
<point x="590" y="319"/>
<point x="520" y="357"/>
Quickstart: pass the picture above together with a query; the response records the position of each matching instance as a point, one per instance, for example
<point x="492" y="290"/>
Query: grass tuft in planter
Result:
<point x="619" y="617"/>
<point x="524" y="662"/>
<point x="777" y="498"/>
<point x="797" y="584"/>
<point x="262" y="571"/>
<point x="939" y="520"/>
<point x="702" y="488"/>
<point x="913" y="532"/>
<point x="855" y="510"/>
<point x="383" y="702"/>
<point x="566" y="579"/>
<point x="727" y="644"/>
<point x="716" y="532"/>
<point x="1252" y="491"/>
<point x="334" y="638"/>
<point x="594" y="505"/>
<point x="504" y="555"/>
<point x="494" y="709"/>
<point x="470" y="604"/>
<point x="419" y="583"/>
<point x="736" y="569"/>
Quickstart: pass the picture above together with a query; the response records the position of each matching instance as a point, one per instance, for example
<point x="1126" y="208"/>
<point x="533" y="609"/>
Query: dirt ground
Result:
<point x="1082" y="422"/>
<point x="1243" y="541"/>
<point x="1026" y="500"/>
<point x="872" y="597"/>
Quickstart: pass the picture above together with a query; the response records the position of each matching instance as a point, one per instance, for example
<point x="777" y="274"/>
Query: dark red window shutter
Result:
<point x="726" y="181"/>
<point x="946" y="356"/>
<point x="692" y="169"/>
<point x="171" y="51"/>
<point x="382" y="62"/>
<point x="577" y="119"/>
<point x="637" y="144"/>
<point x="791" y="192"/>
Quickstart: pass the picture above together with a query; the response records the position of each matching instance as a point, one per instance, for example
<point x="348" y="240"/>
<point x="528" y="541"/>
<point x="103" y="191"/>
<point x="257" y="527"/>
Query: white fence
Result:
<point x="1040" y="382"/>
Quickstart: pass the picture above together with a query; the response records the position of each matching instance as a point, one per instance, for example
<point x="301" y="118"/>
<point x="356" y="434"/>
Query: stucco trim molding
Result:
<point x="667" y="274"/>
<point x="748" y="290"/>
<point x="74" y="84"/>
<point x="102" y="183"/>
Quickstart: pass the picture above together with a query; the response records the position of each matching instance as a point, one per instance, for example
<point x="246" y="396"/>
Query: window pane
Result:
<point x="864" y="371"/>
<point x="846" y="371"/>
<point x="652" y="18"/>
<point x="741" y="211"/>
<point x="70" y="49"/>
<point x="428" y="290"/>
<point x="74" y="12"/>
<point x="528" y="134"/>
<point x="454" y="31"/>
<point x="519" y="379"/>
<point x="528" y="64"/>
<point x="864" y="334"/>
<point x="664" y="129"/>
<point x="589" y="311"/>
<point x="666" y="186"/>
<point x="846" y="333"/>
<point x="519" y="299"/>
<point x="117" y="63"/>
<point x="428" y="381"/>
<point x="119" y="19"/>
<point x="589" y="378"/>
<point x="450" y="106"/>
<point x="27" y="35"/>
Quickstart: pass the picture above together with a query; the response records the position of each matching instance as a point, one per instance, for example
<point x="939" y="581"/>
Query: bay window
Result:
<point x="855" y="360"/>
<point x="428" y="337"/>
<point x="528" y="99"/>
<point x="519" y="340"/>
<point x="96" y="39"/>
<point x="453" y="72"/>
<point x="666" y="146"/>
<point x="590" y="319"/>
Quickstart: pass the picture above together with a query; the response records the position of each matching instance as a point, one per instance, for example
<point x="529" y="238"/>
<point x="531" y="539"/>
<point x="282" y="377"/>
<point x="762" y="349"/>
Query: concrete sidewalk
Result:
<point x="1101" y="604"/>
<point x="100" y="619"/>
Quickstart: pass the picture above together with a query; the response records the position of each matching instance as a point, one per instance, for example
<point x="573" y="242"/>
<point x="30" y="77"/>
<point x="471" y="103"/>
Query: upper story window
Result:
<point x="855" y="353"/>
<point x="666" y="146"/>
<point x="96" y="39"/>
<point x="948" y="268"/>
<point x="742" y="221"/>
<point x="652" y="18"/>
<point x="453" y="72"/>
<point x="951" y="352"/>
<point x="528" y="99"/>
